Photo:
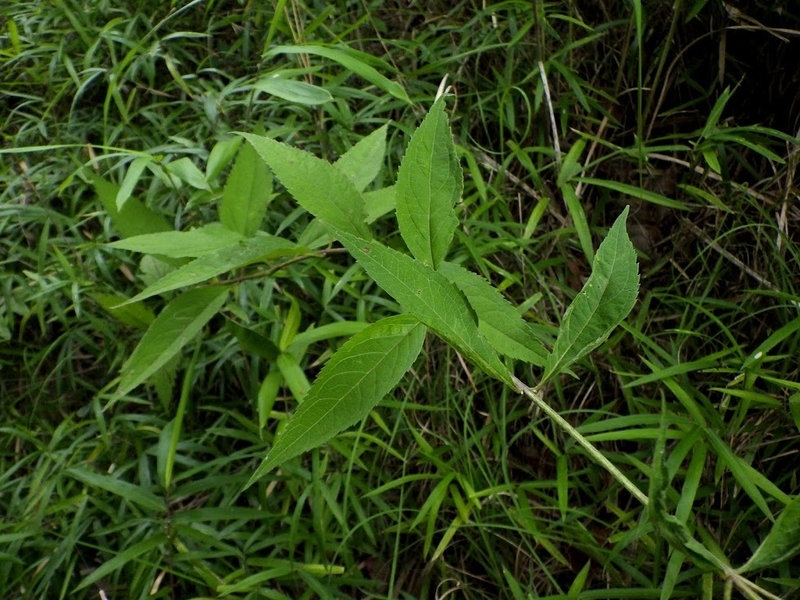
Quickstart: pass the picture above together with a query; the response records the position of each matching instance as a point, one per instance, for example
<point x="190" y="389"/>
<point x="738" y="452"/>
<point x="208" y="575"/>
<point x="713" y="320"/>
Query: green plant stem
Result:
<point x="593" y="452"/>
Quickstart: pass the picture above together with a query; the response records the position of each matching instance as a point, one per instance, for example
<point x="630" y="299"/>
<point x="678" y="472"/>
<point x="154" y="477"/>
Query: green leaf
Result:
<point x="363" y="162"/>
<point x="578" y="219"/>
<point x="429" y="296"/>
<point x="355" y="379"/>
<point x="185" y="170"/>
<point x="247" y="193"/>
<point x="380" y="202"/>
<point x="150" y="543"/>
<point x="256" y="249"/>
<point x="315" y="184"/>
<point x="253" y="342"/>
<point x="743" y="472"/>
<point x="498" y="321"/>
<point x="635" y="192"/>
<point x="182" y="244"/>
<point x="134" y="218"/>
<point x="781" y="543"/>
<point x="672" y="529"/>
<point x="294" y="376"/>
<point x="267" y="394"/>
<point x="716" y="113"/>
<point x="125" y="490"/>
<point x="135" y="169"/>
<point x="349" y="60"/>
<point x="220" y="156"/>
<point x="291" y="324"/>
<point x="429" y="183"/>
<point x="605" y="300"/>
<point x="299" y="92"/>
<point x="133" y="315"/>
<point x="176" y="325"/>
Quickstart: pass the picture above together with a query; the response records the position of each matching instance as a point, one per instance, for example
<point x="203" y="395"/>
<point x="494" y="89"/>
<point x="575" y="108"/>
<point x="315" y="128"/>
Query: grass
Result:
<point x="453" y="486"/>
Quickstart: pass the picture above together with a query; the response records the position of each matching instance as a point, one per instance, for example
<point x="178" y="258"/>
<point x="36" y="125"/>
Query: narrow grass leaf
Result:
<point x="179" y="322"/>
<point x="350" y="61"/>
<point x="182" y="244"/>
<point x="579" y="220"/>
<point x="259" y="248"/>
<point x="498" y="321"/>
<point x="364" y="160"/>
<point x="299" y="92"/>
<point x="120" y="560"/>
<point x="716" y="112"/>
<point x="635" y="192"/>
<point x="125" y="490"/>
<point x="781" y="543"/>
<point x="354" y="380"/>
<point x="775" y="338"/>
<point x="134" y="172"/>
<point x="247" y="193"/>
<point x="737" y="467"/>
<point x="605" y="300"/>
<point x="315" y="184"/>
<point x="134" y="218"/>
<point x="671" y="529"/>
<point x="429" y="183"/>
<point x="429" y="296"/>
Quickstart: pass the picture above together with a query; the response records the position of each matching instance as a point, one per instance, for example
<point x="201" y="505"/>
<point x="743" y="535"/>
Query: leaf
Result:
<point x="259" y="248"/>
<point x="672" y="529"/>
<point x="742" y="471"/>
<point x="363" y="162"/>
<point x="135" y="169"/>
<point x="578" y="220"/>
<point x="151" y="542"/>
<point x="635" y="192"/>
<point x="427" y="295"/>
<point x="253" y="342"/>
<point x="176" y="325"/>
<point x="220" y="156"/>
<point x="125" y="490"/>
<point x="247" y="193"/>
<point x="185" y="170"/>
<point x="429" y="183"/>
<point x="366" y="368"/>
<point x="299" y="92"/>
<point x="134" y="218"/>
<point x="380" y="202"/>
<point x="782" y="541"/>
<point x="182" y="244"/>
<point x="349" y="60"/>
<point x="315" y="184"/>
<point x="133" y="315"/>
<point x="605" y="300"/>
<point x="498" y="321"/>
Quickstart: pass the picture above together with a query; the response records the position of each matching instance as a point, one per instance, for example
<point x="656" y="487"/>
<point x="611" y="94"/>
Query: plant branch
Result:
<point x="593" y="452"/>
